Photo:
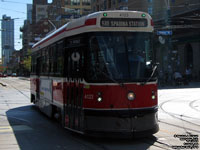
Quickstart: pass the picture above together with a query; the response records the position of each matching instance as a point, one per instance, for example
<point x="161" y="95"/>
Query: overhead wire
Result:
<point x="6" y="1"/>
<point x="13" y="10"/>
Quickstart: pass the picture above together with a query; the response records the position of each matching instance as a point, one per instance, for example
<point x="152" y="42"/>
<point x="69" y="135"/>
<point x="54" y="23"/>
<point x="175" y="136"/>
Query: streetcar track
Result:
<point x="18" y="89"/>
<point x="192" y="106"/>
<point x="179" y="126"/>
<point x="105" y="146"/>
<point x="159" y="142"/>
<point x="175" y="115"/>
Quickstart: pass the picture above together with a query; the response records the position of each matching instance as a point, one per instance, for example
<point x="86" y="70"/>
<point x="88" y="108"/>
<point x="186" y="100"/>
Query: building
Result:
<point x="29" y="13"/>
<point x="47" y="17"/>
<point x="7" y="39"/>
<point x="14" y="62"/>
<point x="180" y="49"/>
<point x="27" y="36"/>
<point x="39" y="26"/>
<point x="77" y="8"/>
<point x="38" y="8"/>
<point x="56" y="14"/>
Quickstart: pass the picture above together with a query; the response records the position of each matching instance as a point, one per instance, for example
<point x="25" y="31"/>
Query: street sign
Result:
<point x="164" y="32"/>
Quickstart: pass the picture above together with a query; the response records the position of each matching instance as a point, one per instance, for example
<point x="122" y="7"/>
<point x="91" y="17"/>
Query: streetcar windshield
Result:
<point x="119" y="56"/>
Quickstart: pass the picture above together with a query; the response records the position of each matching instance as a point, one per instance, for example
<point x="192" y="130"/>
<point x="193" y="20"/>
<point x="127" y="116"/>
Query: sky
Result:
<point x="14" y="9"/>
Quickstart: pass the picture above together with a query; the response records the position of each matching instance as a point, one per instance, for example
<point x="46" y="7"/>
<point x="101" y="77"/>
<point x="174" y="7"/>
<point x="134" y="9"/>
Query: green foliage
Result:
<point x="27" y="61"/>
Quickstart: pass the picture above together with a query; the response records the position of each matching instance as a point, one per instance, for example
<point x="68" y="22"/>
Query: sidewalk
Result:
<point x="25" y="78"/>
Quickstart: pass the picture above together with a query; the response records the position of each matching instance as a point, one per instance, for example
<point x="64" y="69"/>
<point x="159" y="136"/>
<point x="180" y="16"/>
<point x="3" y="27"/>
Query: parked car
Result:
<point x="14" y="75"/>
<point x="1" y="75"/>
<point x="5" y="75"/>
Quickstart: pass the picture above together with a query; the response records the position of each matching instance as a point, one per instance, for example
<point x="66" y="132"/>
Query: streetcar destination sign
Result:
<point x="123" y="22"/>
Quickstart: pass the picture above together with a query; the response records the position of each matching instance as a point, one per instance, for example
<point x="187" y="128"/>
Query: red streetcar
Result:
<point x="96" y="74"/>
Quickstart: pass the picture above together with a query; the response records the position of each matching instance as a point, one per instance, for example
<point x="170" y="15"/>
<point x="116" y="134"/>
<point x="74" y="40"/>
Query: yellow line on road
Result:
<point x="15" y="128"/>
<point x="5" y="129"/>
<point x="166" y="131"/>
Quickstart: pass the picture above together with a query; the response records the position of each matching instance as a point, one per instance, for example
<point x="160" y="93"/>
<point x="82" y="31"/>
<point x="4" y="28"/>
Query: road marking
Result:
<point x="21" y="128"/>
<point x="14" y="128"/>
<point x="166" y="131"/>
<point x="5" y="129"/>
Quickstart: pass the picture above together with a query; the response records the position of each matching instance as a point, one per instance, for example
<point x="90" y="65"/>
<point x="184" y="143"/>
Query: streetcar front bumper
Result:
<point x="123" y="123"/>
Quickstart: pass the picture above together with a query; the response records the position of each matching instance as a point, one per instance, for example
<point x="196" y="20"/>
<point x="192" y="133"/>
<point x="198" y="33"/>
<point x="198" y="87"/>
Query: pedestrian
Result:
<point x="170" y="74"/>
<point x="178" y="78"/>
<point x="188" y="74"/>
<point x="161" y="80"/>
<point x="166" y="78"/>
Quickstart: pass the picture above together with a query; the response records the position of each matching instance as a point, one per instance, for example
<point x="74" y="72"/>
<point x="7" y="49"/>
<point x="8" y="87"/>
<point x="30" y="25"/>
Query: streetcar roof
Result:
<point x="91" y="23"/>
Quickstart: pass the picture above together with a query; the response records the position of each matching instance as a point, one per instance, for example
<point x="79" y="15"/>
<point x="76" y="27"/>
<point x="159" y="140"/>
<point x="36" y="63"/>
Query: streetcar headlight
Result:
<point x="99" y="98"/>
<point x="131" y="96"/>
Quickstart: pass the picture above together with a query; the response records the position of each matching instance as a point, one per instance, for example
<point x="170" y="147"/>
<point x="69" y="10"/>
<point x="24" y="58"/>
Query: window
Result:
<point x="109" y="3"/>
<point x="51" y="58"/>
<point x="126" y="1"/>
<point x="86" y="11"/>
<point x="113" y="2"/>
<point x="60" y="59"/>
<point x="86" y="2"/>
<point x="119" y="57"/>
<point x="67" y="2"/>
<point x="74" y="57"/>
<point x="123" y="8"/>
<point x="33" y="64"/>
<point x="45" y="62"/>
<point x="40" y="9"/>
<point x="75" y="2"/>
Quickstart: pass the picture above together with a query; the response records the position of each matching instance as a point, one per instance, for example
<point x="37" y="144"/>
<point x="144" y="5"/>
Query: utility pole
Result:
<point x="170" y="66"/>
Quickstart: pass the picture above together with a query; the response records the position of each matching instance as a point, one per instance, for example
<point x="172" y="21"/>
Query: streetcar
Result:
<point x="96" y="75"/>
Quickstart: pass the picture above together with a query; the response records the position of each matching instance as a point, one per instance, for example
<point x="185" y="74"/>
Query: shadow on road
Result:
<point x="35" y="131"/>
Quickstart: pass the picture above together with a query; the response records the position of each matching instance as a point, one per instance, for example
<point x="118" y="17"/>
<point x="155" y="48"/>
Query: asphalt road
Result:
<point x="24" y="127"/>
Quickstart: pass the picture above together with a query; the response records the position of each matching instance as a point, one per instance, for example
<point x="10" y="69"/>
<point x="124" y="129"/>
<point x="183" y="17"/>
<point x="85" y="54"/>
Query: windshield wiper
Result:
<point x="115" y="81"/>
<point x="152" y="74"/>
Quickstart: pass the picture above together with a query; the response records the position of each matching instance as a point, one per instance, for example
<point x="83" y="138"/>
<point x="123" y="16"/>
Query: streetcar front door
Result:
<point x="74" y="89"/>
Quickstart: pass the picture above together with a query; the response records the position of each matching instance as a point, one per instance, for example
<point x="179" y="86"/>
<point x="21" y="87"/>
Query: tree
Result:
<point x="27" y="61"/>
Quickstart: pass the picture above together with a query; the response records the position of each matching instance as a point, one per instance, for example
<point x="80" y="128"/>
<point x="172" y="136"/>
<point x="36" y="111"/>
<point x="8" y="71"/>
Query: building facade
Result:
<point x="29" y="12"/>
<point x="77" y="8"/>
<point x="179" y="50"/>
<point x="7" y="39"/>
<point x="56" y="13"/>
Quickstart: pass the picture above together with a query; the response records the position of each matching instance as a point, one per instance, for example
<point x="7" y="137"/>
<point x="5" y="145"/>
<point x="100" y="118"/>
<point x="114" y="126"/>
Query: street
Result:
<point x="24" y="127"/>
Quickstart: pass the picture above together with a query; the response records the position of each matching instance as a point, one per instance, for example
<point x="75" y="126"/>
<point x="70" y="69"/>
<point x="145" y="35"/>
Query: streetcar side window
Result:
<point x="59" y="59"/>
<point x="44" y="62"/>
<point x="50" y="60"/>
<point x="33" y="64"/>
<point x="74" y="57"/>
<point x="54" y="59"/>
